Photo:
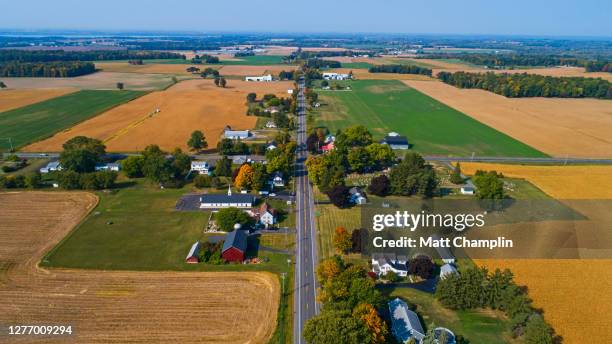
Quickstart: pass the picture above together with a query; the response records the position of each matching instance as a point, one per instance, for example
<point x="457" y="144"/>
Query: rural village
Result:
<point x="218" y="189"/>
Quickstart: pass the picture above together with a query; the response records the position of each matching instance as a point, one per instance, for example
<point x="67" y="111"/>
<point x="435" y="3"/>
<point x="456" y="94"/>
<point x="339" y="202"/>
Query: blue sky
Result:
<point x="513" y="17"/>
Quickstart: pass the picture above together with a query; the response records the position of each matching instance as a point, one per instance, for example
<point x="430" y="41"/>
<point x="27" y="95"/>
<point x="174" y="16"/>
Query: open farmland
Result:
<point x="95" y="81"/>
<point x="119" y="307"/>
<point x="38" y="121"/>
<point x="227" y="68"/>
<point x="364" y="74"/>
<point x="384" y="106"/>
<point x="148" y="68"/>
<point x="13" y="99"/>
<point x="558" y="127"/>
<point x="565" y="289"/>
<point x="185" y="107"/>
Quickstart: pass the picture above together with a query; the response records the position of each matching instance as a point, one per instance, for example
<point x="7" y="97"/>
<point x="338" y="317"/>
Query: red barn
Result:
<point x="235" y="246"/>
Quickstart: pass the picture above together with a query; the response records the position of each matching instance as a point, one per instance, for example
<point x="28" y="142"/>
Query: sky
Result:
<point x="491" y="17"/>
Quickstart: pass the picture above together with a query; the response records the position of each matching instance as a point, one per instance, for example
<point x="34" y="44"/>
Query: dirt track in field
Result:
<point x="118" y="307"/>
<point x="189" y="105"/>
<point x="558" y="127"/>
<point x="574" y="294"/>
<point x="13" y="99"/>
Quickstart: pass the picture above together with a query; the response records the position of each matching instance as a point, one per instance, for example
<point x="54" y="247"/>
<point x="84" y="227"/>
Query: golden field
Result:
<point x="187" y="106"/>
<point x="558" y="127"/>
<point x="119" y="307"/>
<point x="574" y="294"/>
<point x="13" y="99"/>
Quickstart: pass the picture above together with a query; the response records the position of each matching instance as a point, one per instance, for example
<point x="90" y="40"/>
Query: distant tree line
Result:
<point x="530" y="85"/>
<point x="46" y="69"/>
<point x="532" y="60"/>
<point x="61" y="55"/>
<point x="400" y="69"/>
<point x="206" y="59"/>
<point x="244" y="54"/>
<point x="319" y="63"/>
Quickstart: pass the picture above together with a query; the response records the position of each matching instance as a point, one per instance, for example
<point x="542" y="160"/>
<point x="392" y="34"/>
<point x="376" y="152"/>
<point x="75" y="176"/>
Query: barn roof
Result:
<point x="236" y="239"/>
<point x="193" y="252"/>
<point x="224" y="198"/>
<point x="395" y="140"/>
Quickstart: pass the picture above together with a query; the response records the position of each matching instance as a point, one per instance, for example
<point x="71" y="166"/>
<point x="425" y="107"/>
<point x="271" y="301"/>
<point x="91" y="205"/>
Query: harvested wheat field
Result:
<point x="574" y="294"/>
<point x="187" y="106"/>
<point x="363" y="74"/>
<point x="240" y="70"/>
<point x="558" y="127"/>
<point x="95" y="81"/>
<point x="148" y="68"/>
<point x="13" y="99"/>
<point x="119" y="307"/>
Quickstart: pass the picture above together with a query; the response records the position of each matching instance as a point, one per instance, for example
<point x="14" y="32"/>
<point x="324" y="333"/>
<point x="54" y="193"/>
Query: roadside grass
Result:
<point x="328" y="218"/>
<point x="477" y="326"/>
<point x="38" y="121"/>
<point x="431" y="127"/>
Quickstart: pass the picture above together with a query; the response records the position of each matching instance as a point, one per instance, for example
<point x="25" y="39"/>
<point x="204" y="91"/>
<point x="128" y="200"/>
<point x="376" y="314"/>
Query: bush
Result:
<point x="421" y="266"/>
<point x="339" y="195"/>
<point x="380" y="186"/>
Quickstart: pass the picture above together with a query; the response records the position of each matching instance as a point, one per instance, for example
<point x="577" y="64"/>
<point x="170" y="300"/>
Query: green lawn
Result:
<point x="38" y="121"/>
<point x="137" y="228"/>
<point x="257" y="60"/>
<point x="477" y="326"/>
<point x="431" y="127"/>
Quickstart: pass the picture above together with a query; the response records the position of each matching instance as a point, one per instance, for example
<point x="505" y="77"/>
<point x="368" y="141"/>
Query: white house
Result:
<point x="405" y="324"/>
<point x="108" y="167"/>
<point x="277" y="180"/>
<point x="383" y="263"/>
<point x="265" y="78"/>
<point x="201" y="167"/>
<point x="228" y="133"/>
<point x="336" y="76"/>
<point x="270" y="147"/>
<point x="265" y="214"/>
<point x="51" y="167"/>
<point x="447" y="270"/>
<point x="270" y="124"/>
<point x="357" y="196"/>
<point x="218" y="201"/>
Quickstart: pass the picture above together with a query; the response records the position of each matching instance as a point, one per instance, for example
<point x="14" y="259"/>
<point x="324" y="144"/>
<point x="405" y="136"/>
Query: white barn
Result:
<point x="336" y="76"/>
<point x="264" y="78"/>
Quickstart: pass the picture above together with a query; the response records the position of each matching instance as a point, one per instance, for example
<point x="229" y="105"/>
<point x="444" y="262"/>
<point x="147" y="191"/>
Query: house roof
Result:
<point x="395" y="140"/>
<point x="224" y="198"/>
<point x="405" y="323"/>
<point x="265" y="207"/>
<point x="447" y="269"/>
<point x="444" y="252"/>
<point x="195" y="248"/>
<point x="199" y="163"/>
<point x="236" y="239"/>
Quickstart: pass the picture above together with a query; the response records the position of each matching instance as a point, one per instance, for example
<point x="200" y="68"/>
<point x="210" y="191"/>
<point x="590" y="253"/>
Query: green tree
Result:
<point x="489" y="185"/>
<point x="380" y="186"/>
<point x="226" y="218"/>
<point x="69" y="180"/>
<point x="359" y="159"/>
<point x="120" y="85"/>
<point x="222" y="82"/>
<point x="156" y="166"/>
<point x="202" y="181"/>
<point x="455" y="176"/>
<point x="251" y="97"/>
<point x="336" y="327"/>
<point x="381" y="156"/>
<point x="2" y="84"/>
<point x="132" y="166"/>
<point x="33" y="180"/>
<point x="413" y="176"/>
<point x="538" y="331"/>
<point x="181" y="164"/>
<point x="81" y="154"/>
<point x="223" y="167"/>
<point x="197" y="141"/>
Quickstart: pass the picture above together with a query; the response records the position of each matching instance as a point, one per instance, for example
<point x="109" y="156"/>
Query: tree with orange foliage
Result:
<point x="245" y="177"/>
<point x="330" y="268"/>
<point x="342" y="240"/>
<point x="377" y="327"/>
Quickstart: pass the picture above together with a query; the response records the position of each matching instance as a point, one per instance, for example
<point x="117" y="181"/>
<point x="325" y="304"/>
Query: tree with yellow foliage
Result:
<point x="245" y="177"/>
<point x="376" y="326"/>
<point x="342" y="240"/>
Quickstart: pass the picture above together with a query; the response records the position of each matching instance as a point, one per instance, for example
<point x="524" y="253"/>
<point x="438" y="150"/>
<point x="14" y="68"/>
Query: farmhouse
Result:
<point x="218" y="201"/>
<point x="265" y="78"/>
<point x="396" y="141"/>
<point x="468" y="188"/>
<point x="447" y="270"/>
<point x="336" y="76"/>
<point x="202" y="167"/>
<point x="51" y="167"/>
<point x="386" y="262"/>
<point x="405" y="324"/>
<point x="108" y="167"/>
<point x="192" y="256"/>
<point x="265" y="214"/>
<point x="228" y="133"/>
<point x="357" y="196"/>
<point x="234" y="246"/>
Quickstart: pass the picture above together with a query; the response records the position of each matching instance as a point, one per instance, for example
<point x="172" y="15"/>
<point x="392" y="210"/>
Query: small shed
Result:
<point x="193" y="255"/>
<point x="235" y="246"/>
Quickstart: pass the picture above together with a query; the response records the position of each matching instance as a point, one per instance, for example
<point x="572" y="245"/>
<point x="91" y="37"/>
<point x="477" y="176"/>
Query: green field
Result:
<point x="433" y="128"/>
<point x="38" y="121"/>
<point x="257" y="60"/>
<point x="136" y="227"/>
<point x="477" y="326"/>
<point x="356" y="65"/>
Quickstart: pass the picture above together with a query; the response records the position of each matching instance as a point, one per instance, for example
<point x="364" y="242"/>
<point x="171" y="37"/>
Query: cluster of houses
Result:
<point x="54" y="166"/>
<point x="336" y="76"/>
<point x="406" y="325"/>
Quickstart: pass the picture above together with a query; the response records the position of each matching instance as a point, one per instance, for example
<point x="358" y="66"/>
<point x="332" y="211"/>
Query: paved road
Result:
<point x="306" y="253"/>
